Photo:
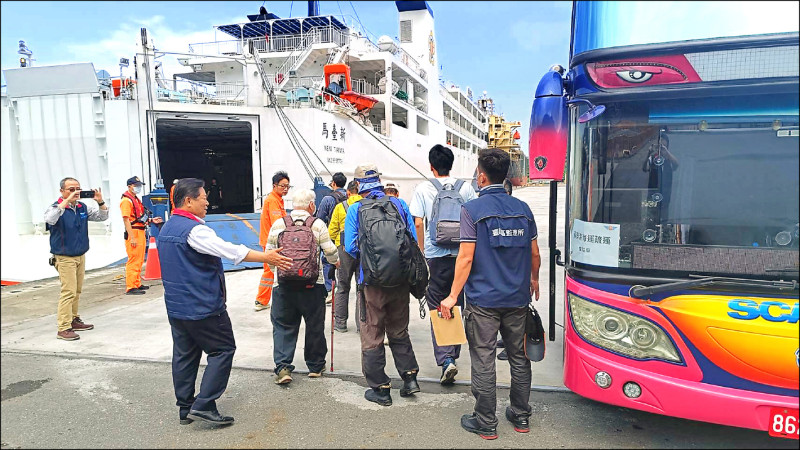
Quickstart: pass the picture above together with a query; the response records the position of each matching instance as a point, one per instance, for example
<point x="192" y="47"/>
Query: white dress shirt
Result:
<point x="203" y="239"/>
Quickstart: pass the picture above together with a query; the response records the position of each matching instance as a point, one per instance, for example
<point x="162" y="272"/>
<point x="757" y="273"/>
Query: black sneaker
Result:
<point x="380" y="395"/>
<point x="502" y="356"/>
<point x="143" y="288"/>
<point x="134" y="291"/>
<point x="410" y="385"/>
<point x="469" y="422"/>
<point x="521" y="423"/>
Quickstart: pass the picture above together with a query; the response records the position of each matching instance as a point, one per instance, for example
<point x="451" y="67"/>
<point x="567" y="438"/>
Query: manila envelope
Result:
<point x="448" y="331"/>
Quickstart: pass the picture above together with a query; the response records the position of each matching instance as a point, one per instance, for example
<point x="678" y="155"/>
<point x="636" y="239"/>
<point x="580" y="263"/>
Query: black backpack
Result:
<point x="339" y="198"/>
<point x="384" y="243"/>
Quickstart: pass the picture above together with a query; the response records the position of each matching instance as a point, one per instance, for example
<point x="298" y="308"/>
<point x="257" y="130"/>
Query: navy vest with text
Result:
<point x="70" y="235"/>
<point x="194" y="283"/>
<point x="501" y="268"/>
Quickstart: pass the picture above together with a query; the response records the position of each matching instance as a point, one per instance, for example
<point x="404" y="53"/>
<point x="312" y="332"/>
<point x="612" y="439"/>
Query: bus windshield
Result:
<point x="688" y="195"/>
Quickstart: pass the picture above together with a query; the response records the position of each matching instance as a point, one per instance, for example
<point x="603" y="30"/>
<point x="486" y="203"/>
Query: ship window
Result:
<point x="422" y="126"/>
<point x="405" y="31"/>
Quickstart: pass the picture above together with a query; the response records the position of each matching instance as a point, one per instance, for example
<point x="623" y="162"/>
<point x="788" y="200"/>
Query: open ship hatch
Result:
<point x="207" y="149"/>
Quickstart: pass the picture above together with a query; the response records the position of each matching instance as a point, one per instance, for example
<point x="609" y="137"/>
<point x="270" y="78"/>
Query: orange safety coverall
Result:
<point x="273" y="210"/>
<point x="133" y="268"/>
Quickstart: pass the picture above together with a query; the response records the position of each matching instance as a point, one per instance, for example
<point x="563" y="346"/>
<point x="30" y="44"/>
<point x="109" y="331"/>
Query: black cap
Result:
<point x="134" y="180"/>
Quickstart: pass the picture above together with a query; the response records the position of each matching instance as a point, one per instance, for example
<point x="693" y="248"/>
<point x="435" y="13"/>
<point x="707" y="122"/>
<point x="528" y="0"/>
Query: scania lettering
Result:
<point x="748" y="310"/>
<point x="678" y="139"/>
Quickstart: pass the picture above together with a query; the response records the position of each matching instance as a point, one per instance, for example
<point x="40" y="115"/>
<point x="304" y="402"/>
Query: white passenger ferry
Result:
<point x="309" y="95"/>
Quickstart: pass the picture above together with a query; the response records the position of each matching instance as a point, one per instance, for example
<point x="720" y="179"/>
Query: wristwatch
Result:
<point x="101" y="203"/>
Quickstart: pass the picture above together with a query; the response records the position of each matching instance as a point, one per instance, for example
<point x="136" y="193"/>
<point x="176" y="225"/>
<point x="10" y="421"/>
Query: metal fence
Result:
<point x="187" y="91"/>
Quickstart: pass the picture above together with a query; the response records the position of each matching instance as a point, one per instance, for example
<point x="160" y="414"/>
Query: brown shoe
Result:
<point x="78" y="325"/>
<point x="68" y="335"/>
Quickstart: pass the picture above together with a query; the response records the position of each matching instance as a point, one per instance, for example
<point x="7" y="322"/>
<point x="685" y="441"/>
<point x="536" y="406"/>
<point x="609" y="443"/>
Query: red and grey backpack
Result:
<point x="300" y="244"/>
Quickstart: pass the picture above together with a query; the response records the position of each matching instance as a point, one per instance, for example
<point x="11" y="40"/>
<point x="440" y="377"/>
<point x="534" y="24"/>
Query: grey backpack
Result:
<point x="445" y="221"/>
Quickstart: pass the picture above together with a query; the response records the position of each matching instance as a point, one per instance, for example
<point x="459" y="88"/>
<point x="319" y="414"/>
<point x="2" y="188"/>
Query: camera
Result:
<point x="87" y="194"/>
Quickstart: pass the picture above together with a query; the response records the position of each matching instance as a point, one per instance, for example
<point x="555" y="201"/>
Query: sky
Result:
<point x="503" y="48"/>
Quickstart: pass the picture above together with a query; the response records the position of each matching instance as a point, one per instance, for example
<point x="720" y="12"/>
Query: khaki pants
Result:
<point x="70" y="272"/>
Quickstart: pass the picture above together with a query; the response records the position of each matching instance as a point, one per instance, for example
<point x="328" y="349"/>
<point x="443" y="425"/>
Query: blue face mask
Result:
<point x="137" y="189"/>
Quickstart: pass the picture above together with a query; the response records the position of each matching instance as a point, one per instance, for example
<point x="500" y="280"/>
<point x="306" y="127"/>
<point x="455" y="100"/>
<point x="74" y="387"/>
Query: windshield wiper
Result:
<point x="793" y="269"/>
<point x="640" y="291"/>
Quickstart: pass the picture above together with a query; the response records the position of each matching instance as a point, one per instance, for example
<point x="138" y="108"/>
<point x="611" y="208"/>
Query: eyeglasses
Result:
<point x="284" y="186"/>
<point x="72" y="189"/>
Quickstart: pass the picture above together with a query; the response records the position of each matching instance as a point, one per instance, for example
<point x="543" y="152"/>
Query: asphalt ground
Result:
<point x="69" y="402"/>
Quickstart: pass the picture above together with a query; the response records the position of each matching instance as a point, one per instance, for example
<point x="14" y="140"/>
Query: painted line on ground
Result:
<point x="335" y="374"/>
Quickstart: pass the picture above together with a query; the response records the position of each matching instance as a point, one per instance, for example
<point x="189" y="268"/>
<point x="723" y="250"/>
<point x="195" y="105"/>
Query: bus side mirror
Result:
<point x="547" y="138"/>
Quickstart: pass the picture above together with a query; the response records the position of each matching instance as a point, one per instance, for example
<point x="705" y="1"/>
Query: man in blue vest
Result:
<point x="68" y="222"/>
<point x="498" y="268"/>
<point x="195" y="295"/>
<point x="383" y="310"/>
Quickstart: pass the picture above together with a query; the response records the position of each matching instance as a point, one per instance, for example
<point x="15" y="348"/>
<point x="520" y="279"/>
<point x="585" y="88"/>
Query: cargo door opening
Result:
<point x="210" y="149"/>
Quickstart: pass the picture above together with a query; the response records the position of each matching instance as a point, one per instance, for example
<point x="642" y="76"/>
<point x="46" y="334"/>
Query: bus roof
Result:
<point x="605" y="24"/>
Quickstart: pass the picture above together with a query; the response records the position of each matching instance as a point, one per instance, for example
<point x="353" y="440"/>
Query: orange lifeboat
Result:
<point x="118" y="83"/>
<point x="516" y="135"/>
<point x="360" y="102"/>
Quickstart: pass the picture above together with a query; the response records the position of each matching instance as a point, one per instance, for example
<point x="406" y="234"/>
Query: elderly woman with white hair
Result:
<point x="295" y="299"/>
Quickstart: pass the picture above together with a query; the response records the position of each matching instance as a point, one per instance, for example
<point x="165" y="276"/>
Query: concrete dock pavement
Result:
<point x="136" y="327"/>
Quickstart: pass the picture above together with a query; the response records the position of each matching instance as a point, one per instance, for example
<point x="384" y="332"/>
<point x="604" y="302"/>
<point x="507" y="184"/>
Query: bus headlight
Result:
<point x="620" y="332"/>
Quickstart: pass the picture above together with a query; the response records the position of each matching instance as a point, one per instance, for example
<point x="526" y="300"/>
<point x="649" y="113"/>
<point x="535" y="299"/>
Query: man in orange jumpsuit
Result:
<point x="135" y="219"/>
<point x="273" y="211"/>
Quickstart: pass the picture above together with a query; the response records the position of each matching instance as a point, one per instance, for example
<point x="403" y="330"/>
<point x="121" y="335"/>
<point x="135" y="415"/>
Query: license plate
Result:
<point x="783" y="423"/>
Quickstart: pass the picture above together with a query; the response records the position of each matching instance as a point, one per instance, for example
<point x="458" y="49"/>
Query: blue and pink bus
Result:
<point x="678" y="125"/>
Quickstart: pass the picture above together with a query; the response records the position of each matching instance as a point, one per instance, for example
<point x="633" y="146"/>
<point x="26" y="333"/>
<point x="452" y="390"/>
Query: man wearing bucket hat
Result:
<point x="498" y="269"/>
<point x="384" y="308"/>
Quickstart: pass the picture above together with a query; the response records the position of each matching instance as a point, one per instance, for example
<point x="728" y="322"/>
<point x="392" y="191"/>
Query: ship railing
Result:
<point x="188" y="91"/>
<point x="365" y="87"/>
<point x="230" y="48"/>
<point x="454" y="103"/>
<point x="410" y="62"/>
<point x="303" y="82"/>
<point x="298" y="55"/>
<point x="376" y="127"/>
<point x="460" y="128"/>
<point x="290" y="42"/>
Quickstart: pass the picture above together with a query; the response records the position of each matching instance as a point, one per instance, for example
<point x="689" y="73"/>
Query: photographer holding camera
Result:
<point x="135" y="217"/>
<point x="68" y="223"/>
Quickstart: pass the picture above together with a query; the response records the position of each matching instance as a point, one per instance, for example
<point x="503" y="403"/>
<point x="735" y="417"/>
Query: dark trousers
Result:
<point x="289" y="305"/>
<point x="442" y="271"/>
<point x="344" y="274"/>
<point x="386" y="312"/>
<point x="326" y="266"/>
<point x="481" y="326"/>
<point x="190" y="338"/>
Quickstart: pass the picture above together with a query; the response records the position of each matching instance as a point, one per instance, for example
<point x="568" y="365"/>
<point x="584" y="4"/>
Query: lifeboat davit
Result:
<point x="360" y="102"/>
